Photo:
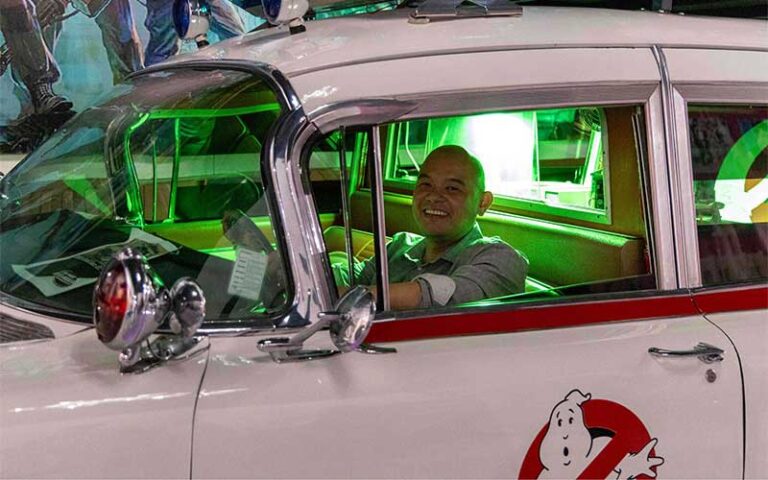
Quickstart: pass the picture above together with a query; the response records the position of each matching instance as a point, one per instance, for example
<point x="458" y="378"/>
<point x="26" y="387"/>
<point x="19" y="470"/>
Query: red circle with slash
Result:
<point x="629" y="436"/>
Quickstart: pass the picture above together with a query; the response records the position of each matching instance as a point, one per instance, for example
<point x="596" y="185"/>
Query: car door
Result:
<point x="721" y="113"/>
<point x="554" y="387"/>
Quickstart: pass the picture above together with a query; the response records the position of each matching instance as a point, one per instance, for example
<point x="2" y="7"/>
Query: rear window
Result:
<point x="729" y="152"/>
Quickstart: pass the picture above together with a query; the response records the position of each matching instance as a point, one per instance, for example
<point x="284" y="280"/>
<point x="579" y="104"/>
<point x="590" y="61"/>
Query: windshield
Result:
<point x="170" y="165"/>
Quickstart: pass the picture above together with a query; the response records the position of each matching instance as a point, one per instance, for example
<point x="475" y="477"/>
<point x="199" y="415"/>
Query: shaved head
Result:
<point x="460" y="153"/>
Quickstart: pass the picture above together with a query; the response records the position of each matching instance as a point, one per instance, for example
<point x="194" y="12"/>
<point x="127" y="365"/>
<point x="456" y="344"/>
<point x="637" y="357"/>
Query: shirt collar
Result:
<point x="416" y="252"/>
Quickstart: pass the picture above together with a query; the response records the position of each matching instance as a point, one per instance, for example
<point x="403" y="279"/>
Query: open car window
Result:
<point x="170" y="168"/>
<point x="568" y="198"/>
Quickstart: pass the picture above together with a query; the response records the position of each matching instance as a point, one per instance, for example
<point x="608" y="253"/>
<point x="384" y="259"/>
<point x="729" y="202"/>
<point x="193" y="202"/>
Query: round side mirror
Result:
<point x="130" y="301"/>
<point x="355" y="315"/>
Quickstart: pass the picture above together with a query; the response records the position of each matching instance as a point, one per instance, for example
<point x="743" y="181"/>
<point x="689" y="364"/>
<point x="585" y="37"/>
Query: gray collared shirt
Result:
<point x="477" y="267"/>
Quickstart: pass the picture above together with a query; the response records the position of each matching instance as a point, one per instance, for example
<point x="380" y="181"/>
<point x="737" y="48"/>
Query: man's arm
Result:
<point x="403" y="295"/>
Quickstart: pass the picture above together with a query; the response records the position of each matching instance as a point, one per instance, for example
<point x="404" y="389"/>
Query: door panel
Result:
<point x="464" y="407"/>
<point x="741" y="312"/>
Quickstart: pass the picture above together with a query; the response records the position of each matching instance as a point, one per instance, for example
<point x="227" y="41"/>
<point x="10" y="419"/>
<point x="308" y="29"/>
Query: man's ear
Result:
<point x="486" y="199"/>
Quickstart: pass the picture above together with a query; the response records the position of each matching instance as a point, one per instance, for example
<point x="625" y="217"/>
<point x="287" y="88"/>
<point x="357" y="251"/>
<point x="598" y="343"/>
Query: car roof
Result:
<point x="387" y="35"/>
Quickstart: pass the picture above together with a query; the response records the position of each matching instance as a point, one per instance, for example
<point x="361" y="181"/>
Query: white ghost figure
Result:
<point x="568" y="447"/>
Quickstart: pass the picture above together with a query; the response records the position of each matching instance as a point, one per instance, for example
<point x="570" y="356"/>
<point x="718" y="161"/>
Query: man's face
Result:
<point x="446" y="200"/>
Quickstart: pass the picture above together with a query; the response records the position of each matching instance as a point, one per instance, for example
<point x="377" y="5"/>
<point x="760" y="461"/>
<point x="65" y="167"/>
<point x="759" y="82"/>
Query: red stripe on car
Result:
<point x="459" y="323"/>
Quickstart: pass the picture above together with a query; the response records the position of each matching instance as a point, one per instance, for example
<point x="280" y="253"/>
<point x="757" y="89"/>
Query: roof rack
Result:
<point x="445" y="9"/>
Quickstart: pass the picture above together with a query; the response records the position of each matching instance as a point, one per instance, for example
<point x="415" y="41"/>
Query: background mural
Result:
<point x="59" y="56"/>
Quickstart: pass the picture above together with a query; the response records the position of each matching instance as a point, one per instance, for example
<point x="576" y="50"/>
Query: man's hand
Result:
<point x="49" y="11"/>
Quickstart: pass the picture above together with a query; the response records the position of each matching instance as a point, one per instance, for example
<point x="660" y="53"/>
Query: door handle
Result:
<point x="703" y="351"/>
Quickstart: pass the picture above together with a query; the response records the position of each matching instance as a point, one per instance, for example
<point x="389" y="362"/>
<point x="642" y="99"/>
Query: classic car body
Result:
<point x="604" y="136"/>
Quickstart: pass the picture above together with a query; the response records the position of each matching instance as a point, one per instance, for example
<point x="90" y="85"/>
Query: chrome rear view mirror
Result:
<point x="130" y="302"/>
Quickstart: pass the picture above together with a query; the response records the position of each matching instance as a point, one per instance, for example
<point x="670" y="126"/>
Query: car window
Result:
<point x="729" y="152"/>
<point x="168" y="165"/>
<point x="568" y="201"/>
<point x="346" y="245"/>
<point x="539" y="160"/>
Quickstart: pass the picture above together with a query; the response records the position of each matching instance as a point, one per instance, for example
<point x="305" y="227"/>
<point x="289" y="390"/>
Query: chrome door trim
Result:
<point x="293" y="213"/>
<point x="274" y="77"/>
<point x="685" y="223"/>
<point x="677" y="209"/>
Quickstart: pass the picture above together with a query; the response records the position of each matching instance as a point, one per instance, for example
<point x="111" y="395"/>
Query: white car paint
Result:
<point x="749" y="331"/>
<point x="466" y="407"/>
<point x="67" y="412"/>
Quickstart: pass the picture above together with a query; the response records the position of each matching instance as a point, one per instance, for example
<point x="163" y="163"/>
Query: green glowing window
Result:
<point x="729" y="152"/>
<point x="552" y="161"/>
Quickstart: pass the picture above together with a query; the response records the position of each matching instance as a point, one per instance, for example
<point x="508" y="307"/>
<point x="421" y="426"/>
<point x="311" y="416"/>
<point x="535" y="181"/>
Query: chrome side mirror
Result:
<point x="348" y="325"/>
<point x="354" y="317"/>
<point x="130" y="302"/>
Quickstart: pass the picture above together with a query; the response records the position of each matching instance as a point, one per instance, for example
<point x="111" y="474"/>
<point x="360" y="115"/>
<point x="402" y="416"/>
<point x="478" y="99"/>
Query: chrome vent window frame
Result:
<point x="274" y="78"/>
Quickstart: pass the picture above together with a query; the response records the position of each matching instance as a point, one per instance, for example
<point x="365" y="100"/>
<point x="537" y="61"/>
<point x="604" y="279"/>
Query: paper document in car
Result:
<point x="53" y="277"/>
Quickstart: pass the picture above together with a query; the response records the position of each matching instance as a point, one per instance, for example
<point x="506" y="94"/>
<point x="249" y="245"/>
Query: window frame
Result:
<point x="654" y="175"/>
<point x="705" y="94"/>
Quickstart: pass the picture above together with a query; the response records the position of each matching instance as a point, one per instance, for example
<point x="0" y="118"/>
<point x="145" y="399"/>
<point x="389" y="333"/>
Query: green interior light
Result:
<point x="504" y="143"/>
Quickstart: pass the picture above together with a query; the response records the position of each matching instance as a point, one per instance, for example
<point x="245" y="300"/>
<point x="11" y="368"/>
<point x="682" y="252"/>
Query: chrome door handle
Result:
<point x="703" y="351"/>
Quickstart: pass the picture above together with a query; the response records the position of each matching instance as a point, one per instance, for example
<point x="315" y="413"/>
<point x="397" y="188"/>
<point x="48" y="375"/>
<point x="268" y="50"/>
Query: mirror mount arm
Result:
<point x="290" y="349"/>
<point x="348" y="325"/>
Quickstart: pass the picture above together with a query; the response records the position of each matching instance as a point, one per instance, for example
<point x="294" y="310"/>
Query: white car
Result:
<point x="627" y="155"/>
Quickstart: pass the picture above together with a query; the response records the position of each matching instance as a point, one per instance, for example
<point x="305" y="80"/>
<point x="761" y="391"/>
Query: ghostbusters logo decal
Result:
<point x="591" y="438"/>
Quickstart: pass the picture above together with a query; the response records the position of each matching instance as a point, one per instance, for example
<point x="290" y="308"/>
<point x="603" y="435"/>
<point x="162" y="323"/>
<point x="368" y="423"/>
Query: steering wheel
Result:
<point x="240" y="230"/>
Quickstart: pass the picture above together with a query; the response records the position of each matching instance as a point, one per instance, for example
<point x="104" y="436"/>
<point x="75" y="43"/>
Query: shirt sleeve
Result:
<point x="494" y="270"/>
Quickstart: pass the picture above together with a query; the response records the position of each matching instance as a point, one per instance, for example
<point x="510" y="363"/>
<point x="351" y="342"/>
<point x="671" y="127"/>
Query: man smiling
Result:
<point x="453" y="262"/>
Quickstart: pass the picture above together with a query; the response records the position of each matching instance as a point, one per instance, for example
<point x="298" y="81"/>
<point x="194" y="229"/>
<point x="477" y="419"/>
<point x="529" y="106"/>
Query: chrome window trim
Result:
<point x="528" y="98"/>
<point x="685" y="223"/>
<point x="704" y="94"/>
<point x="678" y="204"/>
<point x="723" y="93"/>
<point x="274" y="77"/>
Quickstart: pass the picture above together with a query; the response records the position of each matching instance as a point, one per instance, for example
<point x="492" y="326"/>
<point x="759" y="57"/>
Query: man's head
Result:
<point x="449" y="194"/>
